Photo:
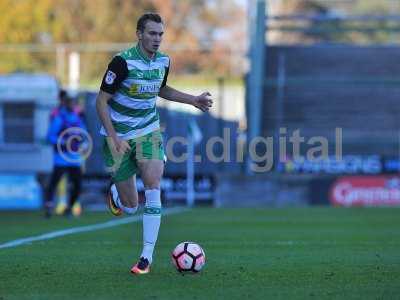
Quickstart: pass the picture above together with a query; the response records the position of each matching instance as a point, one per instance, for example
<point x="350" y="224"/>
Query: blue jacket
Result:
<point x="60" y="120"/>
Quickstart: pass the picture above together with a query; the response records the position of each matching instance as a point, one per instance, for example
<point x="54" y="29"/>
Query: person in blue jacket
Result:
<point x="64" y="120"/>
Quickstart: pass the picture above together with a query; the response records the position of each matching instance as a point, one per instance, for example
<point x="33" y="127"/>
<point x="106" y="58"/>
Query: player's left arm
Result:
<point x="202" y="102"/>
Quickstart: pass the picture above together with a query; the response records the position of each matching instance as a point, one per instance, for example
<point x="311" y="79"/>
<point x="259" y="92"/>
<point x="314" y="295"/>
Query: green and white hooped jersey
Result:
<point x="135" y="81"/>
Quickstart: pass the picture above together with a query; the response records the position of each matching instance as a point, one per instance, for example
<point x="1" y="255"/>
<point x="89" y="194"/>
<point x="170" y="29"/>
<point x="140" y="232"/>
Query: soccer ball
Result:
<point x="188" y="257"/>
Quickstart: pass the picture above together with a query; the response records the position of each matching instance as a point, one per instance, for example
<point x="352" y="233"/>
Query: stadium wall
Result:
<point x="277" y="190"/>
<point x="319" y="88"/>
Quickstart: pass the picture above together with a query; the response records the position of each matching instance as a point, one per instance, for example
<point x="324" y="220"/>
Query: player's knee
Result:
<point x="153" y="182"/>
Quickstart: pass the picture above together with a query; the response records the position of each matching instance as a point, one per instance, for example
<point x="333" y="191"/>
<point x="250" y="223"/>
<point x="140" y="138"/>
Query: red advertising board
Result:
<point x="366" y="191"/>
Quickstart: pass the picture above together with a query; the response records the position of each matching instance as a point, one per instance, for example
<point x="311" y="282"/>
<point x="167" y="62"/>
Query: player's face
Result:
<point x="151" y="37"/>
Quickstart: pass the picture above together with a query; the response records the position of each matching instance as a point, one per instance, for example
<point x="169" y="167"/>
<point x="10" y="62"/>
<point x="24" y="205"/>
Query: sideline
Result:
<point x="87" y="228"/>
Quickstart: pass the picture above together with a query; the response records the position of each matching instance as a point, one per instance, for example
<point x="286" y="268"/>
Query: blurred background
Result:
<point x="273" y="67"/>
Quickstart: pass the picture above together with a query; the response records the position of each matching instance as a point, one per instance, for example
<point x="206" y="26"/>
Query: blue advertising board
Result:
<point x="19" y="192"/>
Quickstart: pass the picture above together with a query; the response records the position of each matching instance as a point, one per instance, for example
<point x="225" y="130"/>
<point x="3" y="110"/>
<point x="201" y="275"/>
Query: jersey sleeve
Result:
<point x="116" y="72"/>
<point x="164" y="83"/>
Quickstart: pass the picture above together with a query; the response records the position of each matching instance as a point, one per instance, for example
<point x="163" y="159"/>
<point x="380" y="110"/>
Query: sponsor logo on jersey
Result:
<point x="148" y="74"/>
<point x="150" y="88"/>
<point x="144" y="89"/>
<point x="138" y="74"/>
<point x="110" y="77"/>
<point x="134" y="89"/>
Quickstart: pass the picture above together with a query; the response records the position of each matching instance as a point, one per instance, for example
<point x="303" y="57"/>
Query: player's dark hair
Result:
<point x="141" y="23"/>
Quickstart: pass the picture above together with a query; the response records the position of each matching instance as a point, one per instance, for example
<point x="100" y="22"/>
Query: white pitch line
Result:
<point x="94" y="227"/>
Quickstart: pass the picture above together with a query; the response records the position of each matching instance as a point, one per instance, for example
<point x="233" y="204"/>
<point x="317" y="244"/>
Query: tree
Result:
<point x="198" y="34"/>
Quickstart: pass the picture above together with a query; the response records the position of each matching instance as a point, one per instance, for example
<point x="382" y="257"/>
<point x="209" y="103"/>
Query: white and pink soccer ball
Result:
<point x="188" y="257"/>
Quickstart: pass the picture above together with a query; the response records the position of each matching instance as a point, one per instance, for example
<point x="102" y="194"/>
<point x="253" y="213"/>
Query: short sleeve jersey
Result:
<point x="134" y="80"/>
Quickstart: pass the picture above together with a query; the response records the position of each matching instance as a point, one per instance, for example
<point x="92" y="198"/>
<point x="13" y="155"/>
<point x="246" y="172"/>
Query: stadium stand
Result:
<point x="352" y="87"/>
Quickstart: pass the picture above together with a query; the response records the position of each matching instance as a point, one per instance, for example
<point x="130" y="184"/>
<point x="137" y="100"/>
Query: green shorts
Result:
<point x="123" y="166"/>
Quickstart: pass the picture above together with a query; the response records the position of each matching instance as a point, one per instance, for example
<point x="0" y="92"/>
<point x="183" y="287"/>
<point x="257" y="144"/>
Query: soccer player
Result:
<point x="126" y="105"/>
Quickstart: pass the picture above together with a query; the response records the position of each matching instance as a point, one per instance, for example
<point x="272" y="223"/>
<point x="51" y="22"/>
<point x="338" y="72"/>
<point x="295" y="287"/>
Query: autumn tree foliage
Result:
<point x="201" y="35"/>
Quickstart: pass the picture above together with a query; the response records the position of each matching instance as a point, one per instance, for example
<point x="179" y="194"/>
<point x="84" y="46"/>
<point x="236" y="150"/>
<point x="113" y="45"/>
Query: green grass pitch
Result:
<point x="297" y="253"/>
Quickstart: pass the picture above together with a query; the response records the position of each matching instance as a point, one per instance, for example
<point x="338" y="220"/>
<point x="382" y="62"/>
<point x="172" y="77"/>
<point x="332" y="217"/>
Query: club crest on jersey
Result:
<point x="110" y="77"/>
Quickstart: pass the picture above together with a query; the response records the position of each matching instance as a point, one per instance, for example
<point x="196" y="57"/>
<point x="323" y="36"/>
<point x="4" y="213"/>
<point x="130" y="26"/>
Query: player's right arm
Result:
<point x="115" y="74"/>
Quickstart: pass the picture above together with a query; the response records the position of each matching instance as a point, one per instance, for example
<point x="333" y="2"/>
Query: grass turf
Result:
<point x="302" y="253"/>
